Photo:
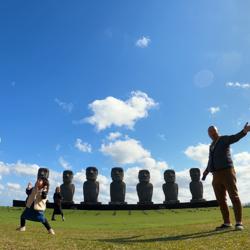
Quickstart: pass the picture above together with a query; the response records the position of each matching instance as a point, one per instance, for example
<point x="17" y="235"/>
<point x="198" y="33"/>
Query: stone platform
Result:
<point x="181" y="205"/>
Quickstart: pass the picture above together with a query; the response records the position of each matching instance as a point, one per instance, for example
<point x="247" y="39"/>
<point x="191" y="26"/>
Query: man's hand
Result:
<point x="205" y="173"/>
<point x="246" y="128"/>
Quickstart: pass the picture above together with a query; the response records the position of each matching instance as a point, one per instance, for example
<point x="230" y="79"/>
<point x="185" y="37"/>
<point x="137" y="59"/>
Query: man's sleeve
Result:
<point x="230" y="139"/>
<point x="208" y="169"/>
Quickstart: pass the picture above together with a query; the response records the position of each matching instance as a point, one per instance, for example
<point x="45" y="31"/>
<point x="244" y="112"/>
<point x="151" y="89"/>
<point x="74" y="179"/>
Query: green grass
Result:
<point x="162" y="229"/>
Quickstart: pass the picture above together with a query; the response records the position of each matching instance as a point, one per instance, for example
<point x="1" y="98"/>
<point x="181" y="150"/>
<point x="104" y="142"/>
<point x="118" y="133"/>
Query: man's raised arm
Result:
<point x="234" y="138"/>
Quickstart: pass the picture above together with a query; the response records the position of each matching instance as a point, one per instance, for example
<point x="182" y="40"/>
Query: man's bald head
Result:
<point x="213" y="132"/>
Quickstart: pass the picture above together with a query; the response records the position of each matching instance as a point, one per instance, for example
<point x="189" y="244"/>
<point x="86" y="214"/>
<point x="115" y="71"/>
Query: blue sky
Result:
<point x="191" y="59"/>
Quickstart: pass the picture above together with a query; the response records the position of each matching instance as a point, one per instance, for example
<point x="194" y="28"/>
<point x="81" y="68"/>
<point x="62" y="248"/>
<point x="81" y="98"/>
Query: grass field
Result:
<point x="159" y="229"/>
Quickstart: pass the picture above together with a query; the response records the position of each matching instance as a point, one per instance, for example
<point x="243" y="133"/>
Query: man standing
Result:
<point x="220" y="164"/>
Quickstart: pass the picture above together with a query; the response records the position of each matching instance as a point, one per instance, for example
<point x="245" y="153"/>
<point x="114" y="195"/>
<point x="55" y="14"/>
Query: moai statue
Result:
<point x="144" y="188"/>
<point x="117" y="187"/>
<point x="170" y="188"/>
<point x="43" y="172"/>
<point x="196" y="186"/>
<point x="67" y="188"/>
<point x="91" y="186"/>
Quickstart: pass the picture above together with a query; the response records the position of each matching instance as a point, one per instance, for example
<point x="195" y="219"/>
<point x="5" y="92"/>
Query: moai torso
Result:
<point x="144" y="188"/>
<point x="67" y="188"/>
<point x="196" y="186"/>
<point x="91" y="186"/>
<point x="117" y="186"/>
<point x="170" y="188"/>
<point x="43" y="172"/>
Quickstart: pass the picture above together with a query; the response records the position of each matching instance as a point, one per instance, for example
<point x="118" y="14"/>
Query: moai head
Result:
<point x="144" y="176"/>
<point x="43" y="172"/>
<point x="67" y="176"/>
<point x="117" y="174"/>
<point x="91" y="173"/>
<point x="195" y="174"/>
<point x="169" y="176"/>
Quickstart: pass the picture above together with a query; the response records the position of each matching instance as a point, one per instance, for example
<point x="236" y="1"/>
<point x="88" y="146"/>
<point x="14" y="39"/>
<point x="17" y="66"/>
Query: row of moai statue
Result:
<point x="118" y="187"/>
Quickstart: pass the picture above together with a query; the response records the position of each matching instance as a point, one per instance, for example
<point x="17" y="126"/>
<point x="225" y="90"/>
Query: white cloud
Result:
<point x="203" y="78"/>
<point x="112" y="111"/>
<point x="130" y="151"/>
<point x="19" y="168"/>
<point x="83" y="146"/>
<point x="242" y="165"/>
<point x="113" y="136"/>
<point x="64" y="163"/>
<point x="143" y="42"/>
<point x="214" y="110"/>
<point x="25" y="169"/>
<point x="125" y="151"/>
<point x="198" y="153"/>
<point x="242" y="159"/>
<point x="68" y="107"/>
<point x="238" y="85"/>
<point x="80" y="177"/>
<point x="13" y="186"/>
<point x="1" y="188"/>
<point x="4" y="169"/>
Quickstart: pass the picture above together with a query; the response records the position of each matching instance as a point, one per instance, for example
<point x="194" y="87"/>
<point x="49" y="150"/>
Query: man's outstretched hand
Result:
<point x="246" y="128"/>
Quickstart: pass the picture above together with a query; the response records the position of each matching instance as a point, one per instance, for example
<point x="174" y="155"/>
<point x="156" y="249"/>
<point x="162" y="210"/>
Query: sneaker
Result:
<point x="239" y="227"/>
<point x="51" y="231"/>
<point x="21" y="229"/>
<point x="63" y="219"/>
<point x="223" y="227"/>
<point x="53" y="219"/>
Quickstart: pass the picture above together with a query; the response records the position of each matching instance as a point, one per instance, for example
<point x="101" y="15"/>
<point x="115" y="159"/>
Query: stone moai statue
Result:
<point x="91" y="186"/>
<point x="144" y="188"/>
<point x="117" y="187"/>
<point x="67" y="188"/>
<point x="43" y="172"/>
<point x="170" y="188"/>
<point x="196" y="186"/>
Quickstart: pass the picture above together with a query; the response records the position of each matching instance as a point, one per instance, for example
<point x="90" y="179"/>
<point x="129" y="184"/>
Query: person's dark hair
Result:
<point x="57" y="188"/>
<point x="45" y="182"/>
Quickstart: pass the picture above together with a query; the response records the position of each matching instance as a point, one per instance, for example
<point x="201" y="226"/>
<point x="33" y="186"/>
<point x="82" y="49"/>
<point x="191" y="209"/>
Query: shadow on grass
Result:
<point x="134" y="239"/>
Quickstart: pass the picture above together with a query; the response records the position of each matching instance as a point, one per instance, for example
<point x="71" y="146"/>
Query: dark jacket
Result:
<point x="219" y="152"/>
<point x="57" y="199"/>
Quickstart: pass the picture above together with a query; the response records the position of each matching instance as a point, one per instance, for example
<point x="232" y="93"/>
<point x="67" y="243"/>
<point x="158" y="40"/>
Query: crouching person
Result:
<point x="36" y="205"/>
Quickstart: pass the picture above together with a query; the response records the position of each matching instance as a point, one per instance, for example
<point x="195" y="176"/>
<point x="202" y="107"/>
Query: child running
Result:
<point x="57" y="204"/>
<point x="36" y="205"/>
